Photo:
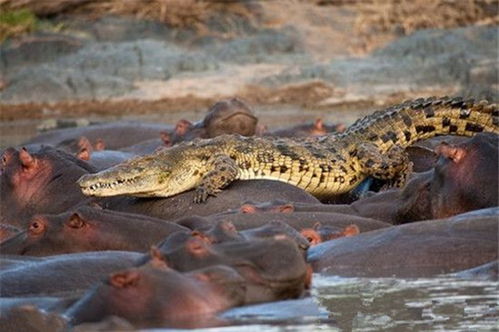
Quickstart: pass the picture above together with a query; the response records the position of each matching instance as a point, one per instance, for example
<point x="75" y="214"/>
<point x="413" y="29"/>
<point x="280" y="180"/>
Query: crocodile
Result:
<point x="371" y="147"/>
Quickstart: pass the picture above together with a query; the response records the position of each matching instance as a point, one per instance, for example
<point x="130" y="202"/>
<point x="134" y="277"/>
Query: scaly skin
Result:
<point x="372" y="146"/>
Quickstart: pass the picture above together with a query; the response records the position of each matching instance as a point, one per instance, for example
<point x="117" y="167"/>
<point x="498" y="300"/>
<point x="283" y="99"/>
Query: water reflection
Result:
<point x="448" y="304"/>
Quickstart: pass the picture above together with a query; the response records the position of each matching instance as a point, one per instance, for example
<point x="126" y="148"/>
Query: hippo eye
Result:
<point x="36" y="228"/>
<point x="75" y="222"/>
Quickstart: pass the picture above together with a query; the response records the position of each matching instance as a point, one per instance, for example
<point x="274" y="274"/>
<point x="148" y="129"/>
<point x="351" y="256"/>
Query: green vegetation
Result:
<point x="22" y="21"/>
<point x="16" y="22"/>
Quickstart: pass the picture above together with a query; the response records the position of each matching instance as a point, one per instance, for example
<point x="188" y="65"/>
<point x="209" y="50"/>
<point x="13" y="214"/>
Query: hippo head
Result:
<point x="155" y="295"/>
<point x="465" y="176"/>
<point x="42" y="181"/>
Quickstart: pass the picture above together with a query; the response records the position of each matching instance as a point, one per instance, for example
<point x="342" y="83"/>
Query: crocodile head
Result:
<point x="165" y="173"/>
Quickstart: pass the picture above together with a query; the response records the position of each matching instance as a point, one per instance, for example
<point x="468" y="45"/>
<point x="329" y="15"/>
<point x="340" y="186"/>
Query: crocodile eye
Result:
<point x="75" y="222"/>
<point x="36" y="228"/>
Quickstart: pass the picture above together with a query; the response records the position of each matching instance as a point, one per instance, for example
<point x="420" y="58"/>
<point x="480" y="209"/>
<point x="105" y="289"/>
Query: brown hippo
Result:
<point x="320" y="233"/>
<point x="274" y="268"/>
<point x="178" y="206"/>
<point x="38" y="182"/>
<point x="101" y="158"/>
<point x="63" y="275"/>
<point x="230" y="116"/>
<point x="225" y="231"/>
<point x="7" y="231"/>
<point x="466" y="176"/>
<point x="309" y="129"/>
<point x="420" y="249"/>
<point x="488" y="271"/>
<point x="155" y="295"/>
<point x="298" y="220"/>
<point x="88" y="229"/>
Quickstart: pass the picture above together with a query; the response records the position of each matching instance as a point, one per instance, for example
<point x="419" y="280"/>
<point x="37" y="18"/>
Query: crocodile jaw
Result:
<point x="113" y="181"/>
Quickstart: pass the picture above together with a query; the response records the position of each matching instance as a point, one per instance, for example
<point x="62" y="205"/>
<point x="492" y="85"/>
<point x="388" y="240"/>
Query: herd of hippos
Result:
<point x="69" y="259"/>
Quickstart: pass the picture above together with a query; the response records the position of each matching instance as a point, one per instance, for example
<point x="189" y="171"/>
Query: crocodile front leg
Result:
<point x="393" y="166"/>
<point x="222" y="171"/>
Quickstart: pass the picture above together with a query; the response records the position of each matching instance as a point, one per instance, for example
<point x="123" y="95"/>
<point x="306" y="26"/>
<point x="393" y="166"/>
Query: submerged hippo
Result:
<point x="155" y="295"/>
<point x="88" y="229"/>
<point x="420" y="249"/>
<point x="63" y="275"/>
<point x="273" y="268"/>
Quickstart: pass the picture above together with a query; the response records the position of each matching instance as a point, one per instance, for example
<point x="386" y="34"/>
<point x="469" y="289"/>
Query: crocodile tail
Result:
<point x="420" y="119"/>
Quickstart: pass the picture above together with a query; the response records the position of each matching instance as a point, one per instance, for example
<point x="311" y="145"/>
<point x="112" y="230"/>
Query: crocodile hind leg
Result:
<point x="393" y="166"/>
<point x="223" y="171"/>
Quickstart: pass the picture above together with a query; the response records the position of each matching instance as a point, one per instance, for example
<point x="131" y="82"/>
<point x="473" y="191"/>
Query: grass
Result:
<point x="19" y="22"/>
<point x="16" y="22"/>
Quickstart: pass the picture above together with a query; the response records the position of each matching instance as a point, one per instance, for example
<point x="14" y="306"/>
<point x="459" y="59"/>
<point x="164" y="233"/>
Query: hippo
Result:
<point x="488" y="271"/>
<point x="225" y="231"/>
<point x="116" y="135"/>
<point x="46" y="303"/>
<point x="420" y="249"/>
<point x="274" y="268"/>
<point x="38" y="182"/>
<point x="88" y="229"/>
<point x="466" y="176"/>
<point x="229" y="116"/>
<point x="320" y="233"/>
<point x="309" y="129"/>
<point x="154" y="295"/>
<point x="7" y="231"/>
<point x="63" y="275"/>
<point x="298" y="220"/>
<point x="178" y="206"/>
<point x="101" y="158"/>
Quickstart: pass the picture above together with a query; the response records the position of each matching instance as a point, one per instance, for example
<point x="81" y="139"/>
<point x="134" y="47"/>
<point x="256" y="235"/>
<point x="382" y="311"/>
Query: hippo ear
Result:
<point x="182" y="126"/>
<point x="454" y="153"/>
<point x="317" y="225"/>
<point x="100" y="145"/>
<point x="261" y="130"/>
<point x="158" y="260"/>
<point x="124" y="279"/>
<point x="319" y="124"/>
<point x="84" y="154"/>
<point x="76" y="221"/>
<point x="311" y="235"/>
<point x="247" y="208"/>
<point x="286" y="208"/>
<point x="166" y="138"/>
<point x="84" y="143"/>
<point x="351" y="230"/>
<point x="27" y="160"/>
